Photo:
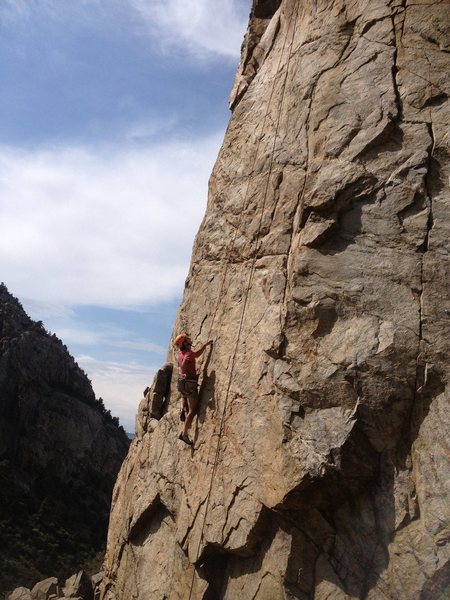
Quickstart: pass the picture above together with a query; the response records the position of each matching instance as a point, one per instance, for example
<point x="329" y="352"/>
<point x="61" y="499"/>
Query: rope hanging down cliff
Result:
<point x="252" y="268"/>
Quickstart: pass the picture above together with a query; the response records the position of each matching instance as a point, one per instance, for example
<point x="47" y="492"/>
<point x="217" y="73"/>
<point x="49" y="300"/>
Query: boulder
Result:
<point x="96" y="581"/>
<point x="156" y="399"/>
<point x="20" y="593"/>
<point x="46" y="588"/>
<point x="77" y="585"/>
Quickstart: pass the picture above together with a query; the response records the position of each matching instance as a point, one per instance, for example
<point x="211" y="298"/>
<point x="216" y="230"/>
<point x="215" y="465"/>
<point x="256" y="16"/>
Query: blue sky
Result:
<point x="112" y="113"/>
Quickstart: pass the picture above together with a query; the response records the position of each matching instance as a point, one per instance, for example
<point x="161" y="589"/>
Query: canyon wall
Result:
<point x="60" y="453"/>
<point x="321" y="465"/>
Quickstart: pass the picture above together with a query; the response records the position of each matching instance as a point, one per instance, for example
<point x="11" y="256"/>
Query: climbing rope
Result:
<point x="252" y="268"/>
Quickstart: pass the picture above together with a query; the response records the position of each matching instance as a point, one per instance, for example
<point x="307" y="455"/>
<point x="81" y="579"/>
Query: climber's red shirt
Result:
<point x="186" y="362"/>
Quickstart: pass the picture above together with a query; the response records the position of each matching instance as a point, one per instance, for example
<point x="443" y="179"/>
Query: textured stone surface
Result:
<point x="155" y="401"/>
<point x="96" y="581"/>
<point x="46" y="588"/>
<point x="21" y="593"/>
<point x="321" y="466"/>
<point x="79" y="585"/>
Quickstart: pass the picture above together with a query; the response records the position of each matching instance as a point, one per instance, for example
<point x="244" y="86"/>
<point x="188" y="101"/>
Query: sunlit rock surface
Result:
<point x="321" y="466"/>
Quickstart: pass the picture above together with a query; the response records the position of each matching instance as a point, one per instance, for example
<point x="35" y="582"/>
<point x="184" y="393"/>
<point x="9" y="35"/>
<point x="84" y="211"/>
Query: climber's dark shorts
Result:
<point x="188" y="388"/>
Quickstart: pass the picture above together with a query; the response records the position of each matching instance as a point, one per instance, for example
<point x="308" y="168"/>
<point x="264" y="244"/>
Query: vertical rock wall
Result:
<point x="321" y="466"/>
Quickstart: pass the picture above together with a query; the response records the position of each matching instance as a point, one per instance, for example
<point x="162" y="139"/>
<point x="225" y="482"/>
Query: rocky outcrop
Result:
<point x="78" y="587"/>
<point x="60" y="452"/>
<point x="44" y="589"/>
<point x="321" y="462"/>
<point x="155" y="401"/>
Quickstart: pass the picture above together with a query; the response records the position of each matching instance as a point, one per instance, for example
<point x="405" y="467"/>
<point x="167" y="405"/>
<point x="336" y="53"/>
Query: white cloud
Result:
<point x="108" y="337"/>
<point x="88" y="226"/>
<point x="41" y="311"/>
<point x="142" y="346"/>
<point x="110" y="227"/>
<point x="148" y="129"/>
<point x="121" y="385"/>
<point x="13" y="9"/>
<point x="202" y="27"/>
<point x="199" y="27"/>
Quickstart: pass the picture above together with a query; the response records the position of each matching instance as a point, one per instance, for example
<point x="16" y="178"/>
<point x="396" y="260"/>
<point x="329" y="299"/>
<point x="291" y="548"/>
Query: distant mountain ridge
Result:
<point x="60" y="451"/>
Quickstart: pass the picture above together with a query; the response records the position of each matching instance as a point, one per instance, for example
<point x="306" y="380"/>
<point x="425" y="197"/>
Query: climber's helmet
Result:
<point x="181" y="339"/>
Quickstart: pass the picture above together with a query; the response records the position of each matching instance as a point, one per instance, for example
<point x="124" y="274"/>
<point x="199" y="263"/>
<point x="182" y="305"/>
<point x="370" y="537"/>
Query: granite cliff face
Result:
<point x="59" y="455"/>
<point x="321" y="466"/>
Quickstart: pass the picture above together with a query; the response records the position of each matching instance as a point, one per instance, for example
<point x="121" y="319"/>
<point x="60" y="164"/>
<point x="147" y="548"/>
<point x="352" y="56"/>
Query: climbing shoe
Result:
<point x="185" y="439"/>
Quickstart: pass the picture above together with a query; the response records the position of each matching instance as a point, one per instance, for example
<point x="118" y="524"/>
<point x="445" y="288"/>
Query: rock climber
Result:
<point x="188" y="381"/>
